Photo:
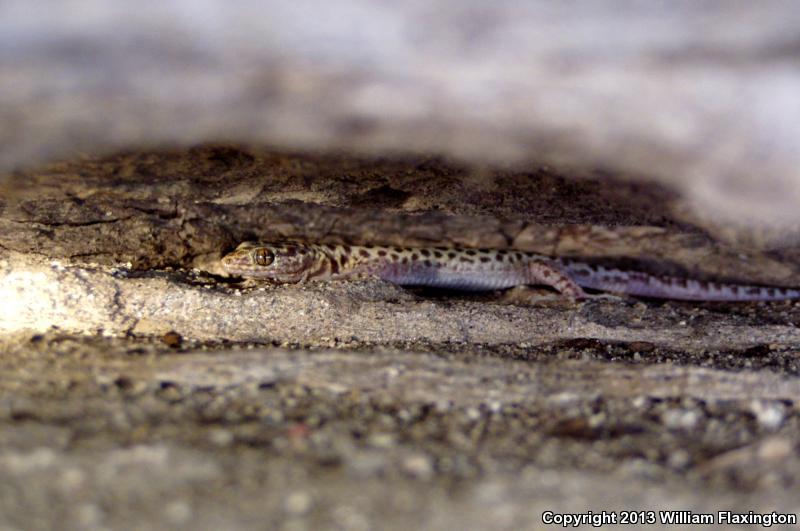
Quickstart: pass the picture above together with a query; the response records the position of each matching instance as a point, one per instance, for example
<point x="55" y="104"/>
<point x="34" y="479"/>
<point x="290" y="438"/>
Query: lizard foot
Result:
<point x="530" y="296"/>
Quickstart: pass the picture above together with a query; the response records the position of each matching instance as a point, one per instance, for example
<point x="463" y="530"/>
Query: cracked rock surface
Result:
<point x="141" y="387"/>
<point x="698" y="96"/>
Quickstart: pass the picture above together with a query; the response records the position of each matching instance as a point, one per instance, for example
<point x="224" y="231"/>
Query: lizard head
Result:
<point x="278" y="262"/>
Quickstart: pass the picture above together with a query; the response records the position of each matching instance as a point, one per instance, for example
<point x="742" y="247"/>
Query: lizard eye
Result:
<point x="264" y="257"/>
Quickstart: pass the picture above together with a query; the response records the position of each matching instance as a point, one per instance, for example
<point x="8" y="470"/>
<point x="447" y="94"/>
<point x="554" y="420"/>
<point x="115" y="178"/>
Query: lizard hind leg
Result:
<point x="549" y="274"/>
<point x="545" y="274"/>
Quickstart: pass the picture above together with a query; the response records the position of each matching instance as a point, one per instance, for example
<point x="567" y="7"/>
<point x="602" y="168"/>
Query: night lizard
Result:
<point x="472" y="270"/>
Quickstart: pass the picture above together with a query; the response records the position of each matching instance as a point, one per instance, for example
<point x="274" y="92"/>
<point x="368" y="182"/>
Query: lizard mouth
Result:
<point x="233" y="260"/>
<point x="238" y="264"/>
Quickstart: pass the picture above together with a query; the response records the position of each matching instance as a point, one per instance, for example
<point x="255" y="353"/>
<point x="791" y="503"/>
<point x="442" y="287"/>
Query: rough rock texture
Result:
<point x="351" y="314"/>
<point x="139" y="387"/>
<point x="700" y="96"/>
<point x="105" y="433"/>
<point x="184" y="208"/>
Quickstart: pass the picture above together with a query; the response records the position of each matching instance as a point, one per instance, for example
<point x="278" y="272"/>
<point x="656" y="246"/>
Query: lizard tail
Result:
<point x="658" y="287"/>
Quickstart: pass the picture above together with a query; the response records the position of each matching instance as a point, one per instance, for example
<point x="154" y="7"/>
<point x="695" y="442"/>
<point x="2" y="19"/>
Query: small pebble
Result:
<point x="172" y="339"/>
<point x="768" y="414"/>
<point x="178" y="512"/>
<point x="418" y="465"/>
<point x="680" y="419"/>
<point x="297" y="503"/>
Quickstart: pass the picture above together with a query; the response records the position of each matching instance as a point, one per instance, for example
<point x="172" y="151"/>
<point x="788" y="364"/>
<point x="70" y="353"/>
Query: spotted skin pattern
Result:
<point x="471" y="270"/>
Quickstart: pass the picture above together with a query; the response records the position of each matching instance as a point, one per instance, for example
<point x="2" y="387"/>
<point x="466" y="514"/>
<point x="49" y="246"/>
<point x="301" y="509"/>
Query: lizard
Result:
<point x="468" y="269"/>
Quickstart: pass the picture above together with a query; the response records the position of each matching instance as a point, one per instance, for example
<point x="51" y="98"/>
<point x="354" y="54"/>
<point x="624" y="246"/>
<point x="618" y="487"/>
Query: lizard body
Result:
<point x="472" y="270"/>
